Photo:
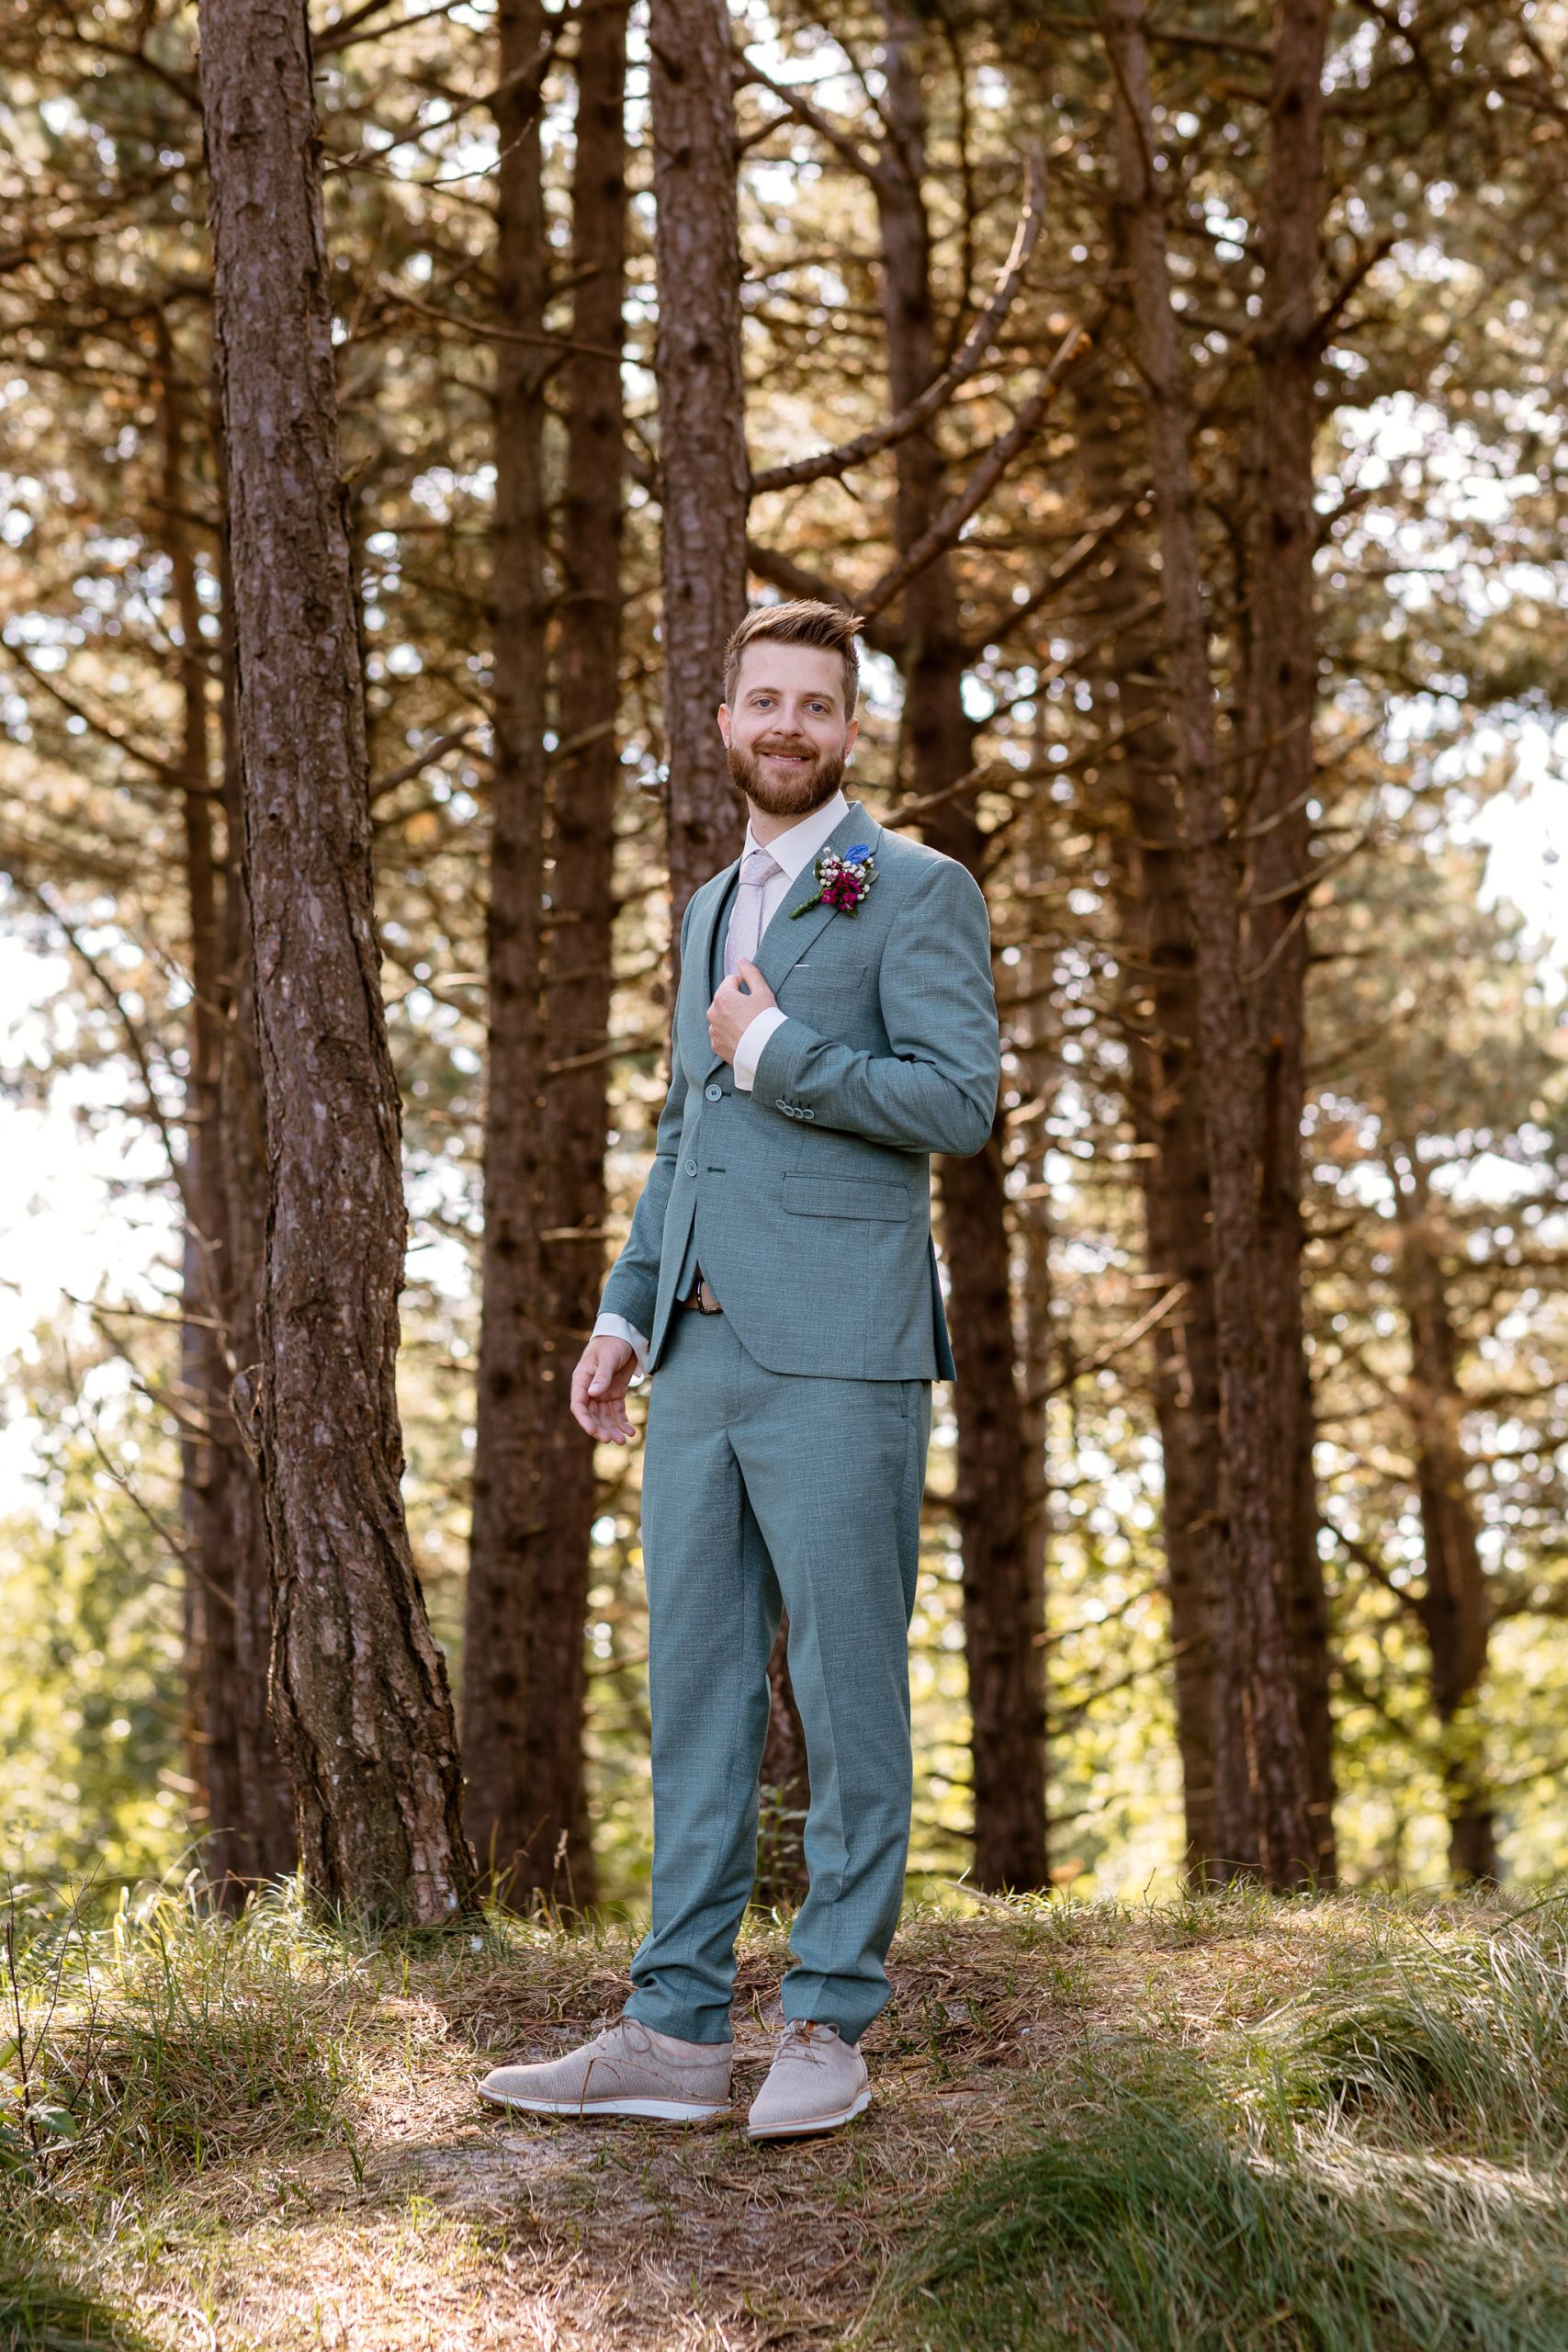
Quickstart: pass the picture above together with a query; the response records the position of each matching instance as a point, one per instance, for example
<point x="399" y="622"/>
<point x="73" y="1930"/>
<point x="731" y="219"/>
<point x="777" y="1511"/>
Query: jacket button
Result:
<point x="714" y="1093"/>
<point x="690" y="1167"/>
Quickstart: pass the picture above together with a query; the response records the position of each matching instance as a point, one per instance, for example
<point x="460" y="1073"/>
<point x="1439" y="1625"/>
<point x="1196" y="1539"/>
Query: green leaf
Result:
<point x="57" y="2120"/>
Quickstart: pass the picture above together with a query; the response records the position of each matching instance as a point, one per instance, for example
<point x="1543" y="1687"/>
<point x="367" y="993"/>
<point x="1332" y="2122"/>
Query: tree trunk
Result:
<point x="1282" y="703"/>
<point x="552" y="1604"/>
<point x="1003" y="1604"/>
<point x="210" y="1761"/>
<point x="1453" y="1601"/>
<point x="243" y="1800"/>
<point x="1160" y="998"/>
<point x="523" y="1794"/>
<point x="363" y="1712"/>
<point x="270" y="1849"/>
<point x="702" y="422"/>
<point x="1264" y="1824"/>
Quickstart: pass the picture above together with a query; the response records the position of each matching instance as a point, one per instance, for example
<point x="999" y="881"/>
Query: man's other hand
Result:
<point x="731" y="1014"/>
<point x="599" y="1389"/>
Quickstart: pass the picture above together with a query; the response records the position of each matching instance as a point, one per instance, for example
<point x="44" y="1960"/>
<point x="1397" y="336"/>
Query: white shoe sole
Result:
<point x="808" y="2127"/>
<point x="657" y="2111"/>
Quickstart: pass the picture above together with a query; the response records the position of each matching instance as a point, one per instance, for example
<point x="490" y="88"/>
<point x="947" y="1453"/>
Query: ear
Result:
<point x="723" y="723"/>
<point x="850" y="732"/>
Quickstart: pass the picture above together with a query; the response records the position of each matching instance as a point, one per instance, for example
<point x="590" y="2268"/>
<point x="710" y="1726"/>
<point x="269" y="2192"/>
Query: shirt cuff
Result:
<point x="615" y="1327"/>
<point x="749" y="1052"/>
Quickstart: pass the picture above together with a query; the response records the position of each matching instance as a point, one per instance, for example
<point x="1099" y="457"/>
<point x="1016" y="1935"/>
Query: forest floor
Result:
<point x="269" y="2137"/>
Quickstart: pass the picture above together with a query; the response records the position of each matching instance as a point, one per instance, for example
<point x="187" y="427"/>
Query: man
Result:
<point x="835" y="1025"/>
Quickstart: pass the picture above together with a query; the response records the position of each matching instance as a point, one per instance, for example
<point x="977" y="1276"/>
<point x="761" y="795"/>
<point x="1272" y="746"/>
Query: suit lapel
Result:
<point x="788" y="935"/>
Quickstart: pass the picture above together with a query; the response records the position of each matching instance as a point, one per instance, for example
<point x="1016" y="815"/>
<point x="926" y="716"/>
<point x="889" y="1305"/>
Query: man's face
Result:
<point x="787" y="736"/>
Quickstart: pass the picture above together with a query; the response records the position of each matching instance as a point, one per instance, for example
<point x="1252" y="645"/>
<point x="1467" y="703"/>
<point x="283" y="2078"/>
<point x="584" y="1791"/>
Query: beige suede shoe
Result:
<point x="816" y="2081"/>
<point x="627" y="2070"/>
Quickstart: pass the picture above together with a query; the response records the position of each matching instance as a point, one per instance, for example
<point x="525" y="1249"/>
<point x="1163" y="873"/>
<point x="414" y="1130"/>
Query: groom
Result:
<point x="835" y="1025"/>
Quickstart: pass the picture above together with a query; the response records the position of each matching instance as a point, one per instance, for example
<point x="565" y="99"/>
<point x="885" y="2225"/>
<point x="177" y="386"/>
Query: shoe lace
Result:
<point x="806" y="2038"/>
<point x="625" y="2034"/>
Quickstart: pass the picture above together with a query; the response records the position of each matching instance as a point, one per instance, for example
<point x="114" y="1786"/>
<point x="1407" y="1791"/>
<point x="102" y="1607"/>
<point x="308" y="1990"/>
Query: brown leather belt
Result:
<point x="701" y="1297"/>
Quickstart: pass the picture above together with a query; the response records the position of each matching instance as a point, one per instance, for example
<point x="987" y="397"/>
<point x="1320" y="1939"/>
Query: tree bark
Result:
<point x="702" y="422"/>
<point x="363" y="1712"/>
<point x="1453" y="1599"/>
<point x="1003" y="1601"/>
<point x="1282" y="704"/>
<point x="541" y="1618"/>
<point x="509" y="1645"/>
<point x="210" y="1760"/>
<point x="270" y="1849"/>
<point x="243" y="1797"/>
<point x="1165" y="1101"/>
<point x="1264" y="1823"/>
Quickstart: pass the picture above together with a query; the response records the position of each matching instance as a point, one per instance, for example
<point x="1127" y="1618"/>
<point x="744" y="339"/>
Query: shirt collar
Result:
<point x="797" y="847"/>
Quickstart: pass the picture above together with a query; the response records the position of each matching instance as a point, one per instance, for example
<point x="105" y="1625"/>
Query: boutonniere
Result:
<point x="841" y="882"/>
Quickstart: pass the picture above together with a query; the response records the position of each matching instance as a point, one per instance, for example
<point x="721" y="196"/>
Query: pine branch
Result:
<point x="983" y="478"/>
<point x="940" y="390"/>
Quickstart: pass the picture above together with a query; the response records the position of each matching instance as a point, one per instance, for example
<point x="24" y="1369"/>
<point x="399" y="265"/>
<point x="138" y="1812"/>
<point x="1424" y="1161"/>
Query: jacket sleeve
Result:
<point x="632" y="1291"/>
<point x="937" y="1090"/>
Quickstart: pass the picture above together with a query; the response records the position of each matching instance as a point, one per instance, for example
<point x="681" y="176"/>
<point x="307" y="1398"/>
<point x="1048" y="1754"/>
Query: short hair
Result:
<point x="805" y="621"/>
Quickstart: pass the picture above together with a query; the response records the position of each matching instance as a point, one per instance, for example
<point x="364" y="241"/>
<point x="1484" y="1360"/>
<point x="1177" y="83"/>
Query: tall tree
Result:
<point x="271" y="1848"/>
<point x="521" y="1790"/>
<point x="572" y="1111"/>
<point x="1263" y="1820"/>
<point x="364" y="1714"/>
<point x="703" y="476"/>
<point x="1281" y="638"/>
<point x="1003" y="1601"/>
<point x="235" y="1762"/>
<point x="1155" y="956"/>
<point x="1455" y="1605"/>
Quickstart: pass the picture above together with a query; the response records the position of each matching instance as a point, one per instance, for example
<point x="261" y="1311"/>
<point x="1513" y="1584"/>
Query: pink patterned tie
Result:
<point x="745" y="933"/>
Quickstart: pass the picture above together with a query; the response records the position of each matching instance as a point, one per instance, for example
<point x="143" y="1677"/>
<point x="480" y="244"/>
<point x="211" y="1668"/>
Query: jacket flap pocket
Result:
<point x="844" y="1196"/>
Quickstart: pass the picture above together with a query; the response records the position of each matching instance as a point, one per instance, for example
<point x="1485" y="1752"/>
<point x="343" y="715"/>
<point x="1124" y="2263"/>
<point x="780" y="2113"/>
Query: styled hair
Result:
<point x="806" y="621"/>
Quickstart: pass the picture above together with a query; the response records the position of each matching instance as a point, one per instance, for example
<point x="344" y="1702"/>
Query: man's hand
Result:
<point x="599" y="1389"/>
<point x="731" y="1014"/>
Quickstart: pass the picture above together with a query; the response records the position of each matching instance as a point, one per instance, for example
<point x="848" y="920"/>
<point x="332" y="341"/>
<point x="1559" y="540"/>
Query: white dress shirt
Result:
<point x="793" y="852"/>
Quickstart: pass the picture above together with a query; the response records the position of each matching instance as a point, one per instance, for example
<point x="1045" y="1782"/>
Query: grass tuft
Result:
<point x="40" y="2313"/>
<point x="1465" y="2046"/>
<point x="1379" y="2167"/>
<point x="171" y="2040"/>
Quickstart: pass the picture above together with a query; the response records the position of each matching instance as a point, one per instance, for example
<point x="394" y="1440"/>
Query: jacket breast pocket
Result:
<point x="835" y="974"/>
<point x="846" y="1197"/>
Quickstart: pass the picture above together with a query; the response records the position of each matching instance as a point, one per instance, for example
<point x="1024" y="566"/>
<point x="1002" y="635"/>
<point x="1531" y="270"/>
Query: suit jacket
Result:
<point x="807" y="1201"/>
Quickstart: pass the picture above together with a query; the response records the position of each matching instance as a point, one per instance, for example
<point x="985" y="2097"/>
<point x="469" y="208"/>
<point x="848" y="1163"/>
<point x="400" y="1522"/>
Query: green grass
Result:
<point x="1378" y="2168"/>
<point x="41" y="2313"/>
<point x="1228" y="2125"/>
<point x="169" y="2041"/>
<point x="141" y="2048"/>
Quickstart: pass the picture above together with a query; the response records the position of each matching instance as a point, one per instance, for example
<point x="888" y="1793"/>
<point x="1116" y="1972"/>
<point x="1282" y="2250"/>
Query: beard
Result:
<point x="791" y="795"/>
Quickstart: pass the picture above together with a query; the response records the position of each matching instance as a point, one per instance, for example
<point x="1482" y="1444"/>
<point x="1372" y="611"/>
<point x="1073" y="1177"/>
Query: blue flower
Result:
<point x="858" y="848"/>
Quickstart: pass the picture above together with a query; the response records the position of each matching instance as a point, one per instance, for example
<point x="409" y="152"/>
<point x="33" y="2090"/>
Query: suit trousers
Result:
<point x="762" y="1488"/>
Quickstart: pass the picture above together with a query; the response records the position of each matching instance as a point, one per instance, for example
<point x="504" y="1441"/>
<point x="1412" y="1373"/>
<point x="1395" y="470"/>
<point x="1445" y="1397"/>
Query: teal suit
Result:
<point x="787" y="1438"/>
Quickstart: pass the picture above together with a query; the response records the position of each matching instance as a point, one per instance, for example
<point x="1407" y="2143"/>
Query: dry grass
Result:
<point x="377" y="2205"/>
